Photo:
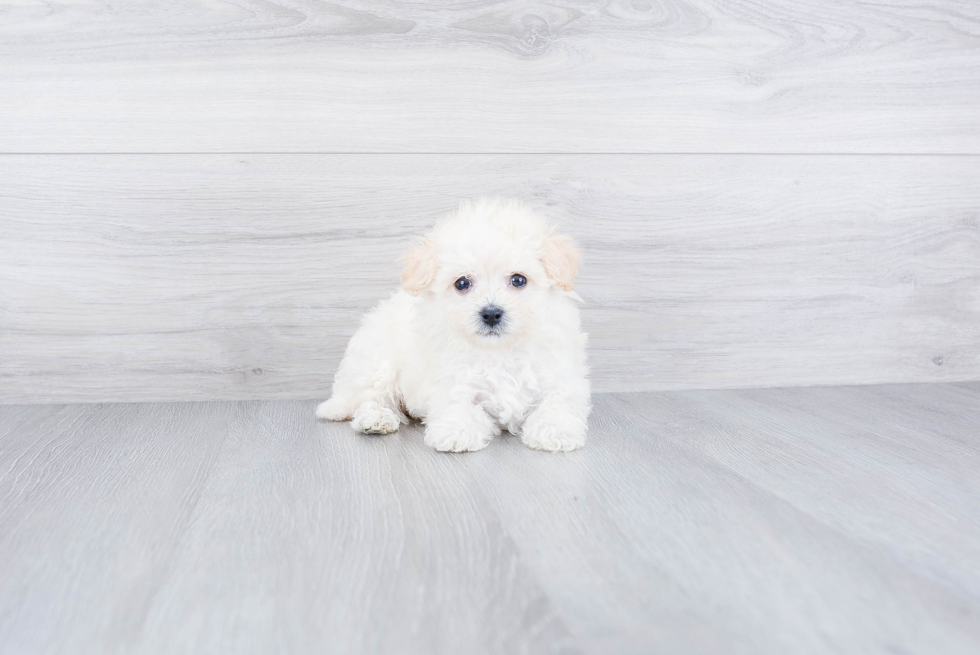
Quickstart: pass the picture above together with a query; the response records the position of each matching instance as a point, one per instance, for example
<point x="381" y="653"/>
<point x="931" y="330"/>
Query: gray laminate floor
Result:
<point x="769" y="521"/>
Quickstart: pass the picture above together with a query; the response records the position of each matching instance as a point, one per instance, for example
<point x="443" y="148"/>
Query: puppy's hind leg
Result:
<point x="336" y="409"/>
<point x="365" y="387"/>
<point x="368" y="400"/>
<point x="368" y="417"/>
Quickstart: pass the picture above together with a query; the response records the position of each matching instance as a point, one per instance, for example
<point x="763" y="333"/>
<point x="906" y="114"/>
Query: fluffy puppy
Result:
<point x="483" y="335"/>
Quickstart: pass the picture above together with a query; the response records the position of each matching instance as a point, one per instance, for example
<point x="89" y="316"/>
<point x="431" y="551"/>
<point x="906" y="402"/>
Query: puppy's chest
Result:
<point x="506" y="387"/>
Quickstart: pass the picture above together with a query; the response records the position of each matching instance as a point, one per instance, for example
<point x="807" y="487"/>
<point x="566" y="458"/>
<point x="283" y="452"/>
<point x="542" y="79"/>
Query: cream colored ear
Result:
<point x="560" y="259"/>
<point x="421" y="267"/>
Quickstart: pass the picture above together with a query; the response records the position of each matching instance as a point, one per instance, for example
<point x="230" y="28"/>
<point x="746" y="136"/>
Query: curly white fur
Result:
<point x="427" y="353"/>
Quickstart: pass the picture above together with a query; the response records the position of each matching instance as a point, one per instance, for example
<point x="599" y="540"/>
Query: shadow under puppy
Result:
<point x="484" y="335"/>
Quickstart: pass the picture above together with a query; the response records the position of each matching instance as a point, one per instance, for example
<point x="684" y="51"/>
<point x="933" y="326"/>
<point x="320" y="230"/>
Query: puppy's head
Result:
<point x="490" y="269"/>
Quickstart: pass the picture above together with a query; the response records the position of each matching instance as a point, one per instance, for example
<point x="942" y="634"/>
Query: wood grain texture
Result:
<point x="491" y="76"/>
<point x="833" y="520"/>
<point x="313" y="538"/>
<point x="94" y="501"/>
<point x="700" y="524"/>
<point x="237" y="277"/>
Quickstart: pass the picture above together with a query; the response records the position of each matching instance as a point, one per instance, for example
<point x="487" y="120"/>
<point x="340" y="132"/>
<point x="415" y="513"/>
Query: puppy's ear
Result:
<point x="421" y="267"/>
<point x="560" y="259"/>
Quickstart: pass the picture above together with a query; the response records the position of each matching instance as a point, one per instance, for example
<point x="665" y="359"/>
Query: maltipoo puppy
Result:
<point x="483" y="335"/>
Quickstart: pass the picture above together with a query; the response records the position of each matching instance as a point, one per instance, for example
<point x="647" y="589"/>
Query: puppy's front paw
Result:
<point x="461" y="429"/>
<point x="372" y="418"/>
<point x="455" y="438"/>
<point x="553" y="431"/>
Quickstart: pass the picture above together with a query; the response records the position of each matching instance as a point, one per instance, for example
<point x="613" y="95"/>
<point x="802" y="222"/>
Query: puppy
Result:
<point x="484" y="335"/>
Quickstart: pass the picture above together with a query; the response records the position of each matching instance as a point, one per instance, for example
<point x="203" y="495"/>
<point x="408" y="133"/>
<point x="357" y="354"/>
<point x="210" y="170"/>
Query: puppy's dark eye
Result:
<point x="518" y="280"/>
<point x="462" y="284"/>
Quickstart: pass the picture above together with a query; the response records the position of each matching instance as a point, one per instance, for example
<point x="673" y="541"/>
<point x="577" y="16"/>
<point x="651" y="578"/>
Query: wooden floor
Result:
<point x="767" y="521"/>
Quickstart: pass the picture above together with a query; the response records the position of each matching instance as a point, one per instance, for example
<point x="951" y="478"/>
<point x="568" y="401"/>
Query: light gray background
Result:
<point x="200" y="199"/>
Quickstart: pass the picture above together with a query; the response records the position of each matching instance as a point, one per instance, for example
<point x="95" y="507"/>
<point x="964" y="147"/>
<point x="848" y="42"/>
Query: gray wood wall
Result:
<point x="198" y="200"/>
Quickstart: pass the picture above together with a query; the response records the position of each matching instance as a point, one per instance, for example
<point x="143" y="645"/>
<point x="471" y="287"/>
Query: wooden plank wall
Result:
<point x="198" y="200"/>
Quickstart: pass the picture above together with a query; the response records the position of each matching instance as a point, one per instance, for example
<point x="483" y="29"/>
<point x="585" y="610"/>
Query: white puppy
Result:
<point x="484" y="335"/>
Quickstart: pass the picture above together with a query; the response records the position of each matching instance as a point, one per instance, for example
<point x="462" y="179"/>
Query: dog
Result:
<point x="484" y="335"/>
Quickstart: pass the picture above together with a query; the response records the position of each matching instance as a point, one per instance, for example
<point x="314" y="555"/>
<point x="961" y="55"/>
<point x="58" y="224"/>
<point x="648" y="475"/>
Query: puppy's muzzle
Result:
<point x="491" y="315"/>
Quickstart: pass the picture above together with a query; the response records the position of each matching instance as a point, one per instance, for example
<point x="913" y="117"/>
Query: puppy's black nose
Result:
<point x="491" y="315"/>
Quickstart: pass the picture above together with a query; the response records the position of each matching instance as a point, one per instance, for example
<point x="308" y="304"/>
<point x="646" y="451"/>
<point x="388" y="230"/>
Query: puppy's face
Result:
<point x="490" y="280"/>
<point x="490" y="304"/>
